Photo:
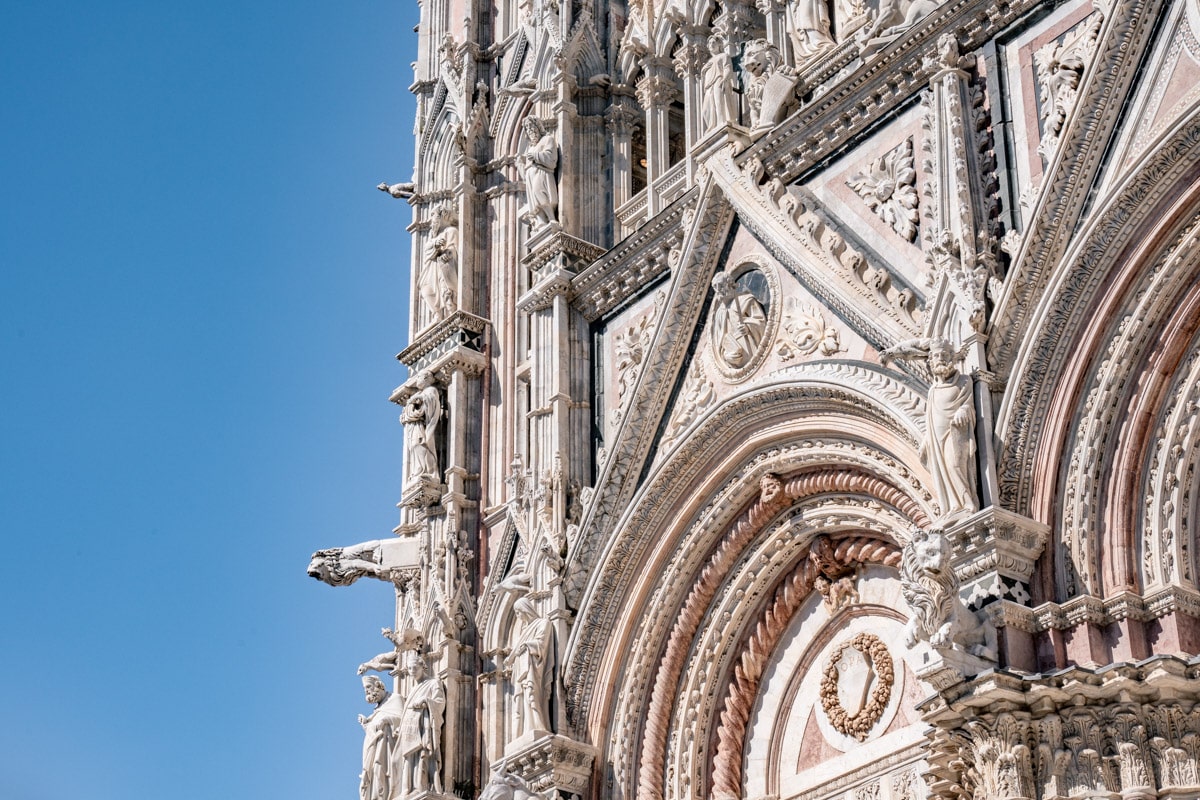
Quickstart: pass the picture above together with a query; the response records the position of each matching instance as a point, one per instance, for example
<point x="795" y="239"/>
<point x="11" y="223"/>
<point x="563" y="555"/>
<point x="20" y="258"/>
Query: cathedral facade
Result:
<point x="803" y="403"/>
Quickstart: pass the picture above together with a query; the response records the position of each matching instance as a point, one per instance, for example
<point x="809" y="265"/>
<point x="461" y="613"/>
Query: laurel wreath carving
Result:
<point x="860" y="724"/>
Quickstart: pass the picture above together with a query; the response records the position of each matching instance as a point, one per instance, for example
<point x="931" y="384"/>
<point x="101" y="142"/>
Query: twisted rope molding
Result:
<point x="743" y="689"/>
<point x="774" y="497"/>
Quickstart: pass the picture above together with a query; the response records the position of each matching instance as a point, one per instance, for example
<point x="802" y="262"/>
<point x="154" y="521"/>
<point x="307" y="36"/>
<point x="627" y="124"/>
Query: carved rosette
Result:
<point x="878" y="676"/>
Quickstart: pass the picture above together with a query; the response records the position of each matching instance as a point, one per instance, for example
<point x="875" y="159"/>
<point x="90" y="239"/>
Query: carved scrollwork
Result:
<point x="879" y="678"/>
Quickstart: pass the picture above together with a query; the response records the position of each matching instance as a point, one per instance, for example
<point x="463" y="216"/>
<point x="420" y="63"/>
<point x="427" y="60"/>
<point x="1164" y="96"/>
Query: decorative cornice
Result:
<point x="634" y="264"/>
<point x="1078" y="610"/>
<point x="457" y="324"/>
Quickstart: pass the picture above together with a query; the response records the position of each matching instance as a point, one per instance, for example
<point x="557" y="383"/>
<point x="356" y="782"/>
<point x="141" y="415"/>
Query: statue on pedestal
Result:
<point x="380" y="778"/>
<point x="420" y="731"/>
<point x="537" y="164"/>
<point x="532" y="658"/>
<point x="421" y="416"/>
<point x="718" y="104"/>
<point x="438" y="282"/>
<point x="949" y="446"/>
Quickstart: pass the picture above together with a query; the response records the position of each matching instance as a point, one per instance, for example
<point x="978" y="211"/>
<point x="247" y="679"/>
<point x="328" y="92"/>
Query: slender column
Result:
<point x="689" y="59"/>
<point x="656" y="91"/>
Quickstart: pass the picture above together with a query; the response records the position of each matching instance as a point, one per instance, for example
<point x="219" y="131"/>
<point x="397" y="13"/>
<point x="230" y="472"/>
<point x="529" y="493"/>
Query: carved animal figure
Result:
<point x="930" y="587"/>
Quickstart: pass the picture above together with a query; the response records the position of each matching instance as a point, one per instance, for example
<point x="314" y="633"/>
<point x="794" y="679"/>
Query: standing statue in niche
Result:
<point x="532" y="659"/>
<point x="718" y="106"/>
<point x="381" y="757"/>
<point x="421" y="416"/>
<point x="738" y="322"/>
<point x="537" y="165"/>
<point x="420" y="732"/>
<point x="949" y="446"/>
<point x="808" y="28"/>
<point x="438" y="283"/>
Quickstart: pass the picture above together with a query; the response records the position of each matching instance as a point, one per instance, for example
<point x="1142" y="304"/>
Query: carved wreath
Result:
<point x="860" y="724"/>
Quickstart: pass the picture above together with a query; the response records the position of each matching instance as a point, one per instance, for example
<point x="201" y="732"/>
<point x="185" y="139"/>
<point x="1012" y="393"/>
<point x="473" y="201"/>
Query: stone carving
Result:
<point x="769" y="84"/>
<point x="629" y="351"/>
<point x="805" y="332"/>
<point x="888" y="186"/>
<point x="739" y="321"/>
<point x="438" y="281"/>
<point x="857" y="685"/>
<point x="381" y="742"/>
<point x="388" y="662"/>
<point x="532" y="659"/>
<point x="718" y="103"/>
<point x="895" y="17"/>
<point x="422" y="414"/>
<point x="949" y="446"/>
<point x="388" y="560"/>
<point x="420" y="731"/>
<point x="505" y="785"/>
<point x="537" y="164"/>
<point x="696" y="396"/>
<point x="808" y="28"/>
<point x="1060" y="67"/>
<point x="930" y="588"/>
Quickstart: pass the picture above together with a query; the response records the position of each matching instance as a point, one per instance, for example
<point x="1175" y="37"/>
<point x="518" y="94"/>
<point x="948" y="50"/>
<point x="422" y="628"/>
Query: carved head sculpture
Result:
<point x="723" y="286"/>
<point x="323" y="565"/>
<point x="534" y="129"/>
<point x="444" y="216"/>
<point x="374" y="690"/>
<point x="943" y="359"/>
<point x="417" y="668"/>
<point x="525" y="609"/>
<point x="761" y="57"/>
<point x="716" y="45"/>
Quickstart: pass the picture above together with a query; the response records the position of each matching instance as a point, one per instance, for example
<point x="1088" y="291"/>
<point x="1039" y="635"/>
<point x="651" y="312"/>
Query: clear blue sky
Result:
<point x="201" y="297"/>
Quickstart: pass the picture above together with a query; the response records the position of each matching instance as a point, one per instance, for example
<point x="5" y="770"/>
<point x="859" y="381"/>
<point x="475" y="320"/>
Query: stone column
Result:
<point x="689" y="59"/>
<point x="776" y="17"/>
<point x="621" y="120"/>
<point x="656" y="91"/>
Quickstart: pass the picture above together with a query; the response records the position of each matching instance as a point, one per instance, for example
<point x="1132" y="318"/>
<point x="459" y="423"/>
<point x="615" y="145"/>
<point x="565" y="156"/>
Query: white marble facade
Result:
<point x="803" y="402"/>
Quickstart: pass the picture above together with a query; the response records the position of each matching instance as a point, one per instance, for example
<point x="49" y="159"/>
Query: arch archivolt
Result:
<point x="700" y="487"/>
<point x="1169" y="480"/>
<point x="830" y="486"/>
<point x="772" y="580"/>
<point x="1152" y="315"/>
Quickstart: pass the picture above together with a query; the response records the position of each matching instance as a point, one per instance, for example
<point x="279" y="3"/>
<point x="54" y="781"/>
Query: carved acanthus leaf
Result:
<point x="805" y="332"/>
<point x="888" y="187"/>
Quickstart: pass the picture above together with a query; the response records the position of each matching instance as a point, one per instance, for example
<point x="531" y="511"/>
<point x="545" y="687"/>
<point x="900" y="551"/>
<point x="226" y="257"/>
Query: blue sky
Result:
<point x="201" y="297"/>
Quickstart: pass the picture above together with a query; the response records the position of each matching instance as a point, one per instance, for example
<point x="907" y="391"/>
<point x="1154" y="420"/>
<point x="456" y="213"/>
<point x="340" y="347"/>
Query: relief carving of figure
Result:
<point x="420" y="731"/>
<point x="930" y="588"/>
<point x="537" y="164"/>
<point x="808" y="28"/>
<point x="718" y="106"/>
<point x="949" y="446"/>
<point x="380" y="779"/>
<point x="506" y="785"/>
<point x="738" y="322"/>
<point x="421" y="416"/>
<point x="532" y="658"/>
<point x="438" y="283"/>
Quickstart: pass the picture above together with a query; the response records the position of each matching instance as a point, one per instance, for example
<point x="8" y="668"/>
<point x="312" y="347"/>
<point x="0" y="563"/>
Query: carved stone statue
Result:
<point x="342" y="566"/>
<point x="930" y="588"/>
<point x="505" y="785"/>
<point x="532" y="658"/>
<point x="808" y="28"/>
<point x="438" y="282"/>
<point x="770" y="85"/>
<point x="381" y="753"/>
<point x="420" y="731"/>
<point x="718" y="104"/>
<point x="537" y="164"/>
<point x="895" y="17"/>
<point x="949" y="447"/>
<point x="421" y="416"/>
<point x="739" y="322"/>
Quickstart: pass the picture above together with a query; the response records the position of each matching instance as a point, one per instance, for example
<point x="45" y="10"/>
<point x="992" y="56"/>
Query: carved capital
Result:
<point x="656" y="88"/>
